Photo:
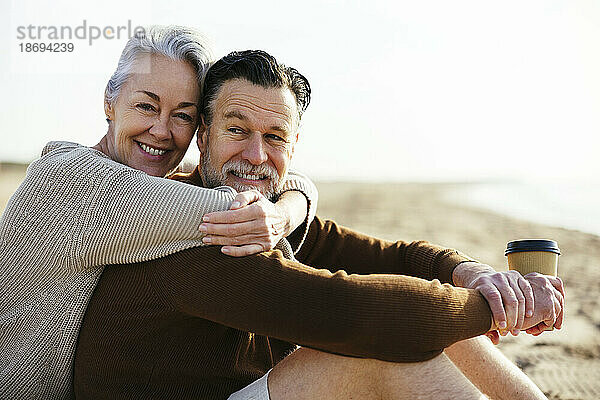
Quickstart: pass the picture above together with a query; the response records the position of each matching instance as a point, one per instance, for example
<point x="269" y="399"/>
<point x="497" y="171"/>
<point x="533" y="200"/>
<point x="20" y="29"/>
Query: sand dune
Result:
<point x="565" y="364"/>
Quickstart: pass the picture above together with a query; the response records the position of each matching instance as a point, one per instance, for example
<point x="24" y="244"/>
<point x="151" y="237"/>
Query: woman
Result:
<point x="81" y="208"/>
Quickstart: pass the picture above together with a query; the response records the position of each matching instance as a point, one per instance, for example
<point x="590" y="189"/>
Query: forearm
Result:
<point x="490" y="371"/>
<point x="140" y="217"/>
<point x="329" y="245"/>
<point x="298" y="183"/>
<point x="389" y="317"/>
<point x="108" y="213"/>
<point x="295" y="206"/>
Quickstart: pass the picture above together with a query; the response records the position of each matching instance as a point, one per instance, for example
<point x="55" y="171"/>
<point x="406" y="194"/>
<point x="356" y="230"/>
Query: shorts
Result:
<point x="257" y="390"/>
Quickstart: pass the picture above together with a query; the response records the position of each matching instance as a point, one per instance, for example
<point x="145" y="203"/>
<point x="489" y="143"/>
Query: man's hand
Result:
<point x="549" y="293"/>
<point x="508" y="293"/>
<point x="252" y="224"/>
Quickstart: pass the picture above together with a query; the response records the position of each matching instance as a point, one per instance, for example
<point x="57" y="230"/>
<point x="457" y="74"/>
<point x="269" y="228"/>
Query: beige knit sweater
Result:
<point x="75" y="212"/>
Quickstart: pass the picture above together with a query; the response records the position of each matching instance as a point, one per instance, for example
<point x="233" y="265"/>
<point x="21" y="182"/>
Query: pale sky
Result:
<point x="402" y="90"/>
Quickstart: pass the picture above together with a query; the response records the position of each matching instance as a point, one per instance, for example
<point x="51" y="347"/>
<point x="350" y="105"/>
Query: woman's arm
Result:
<point x="294" y="205"/>
<point x="298" y="182"/>
<point x="88" y="210"/>
<point x="254" y="224"/>
<point x="293" y="212"/>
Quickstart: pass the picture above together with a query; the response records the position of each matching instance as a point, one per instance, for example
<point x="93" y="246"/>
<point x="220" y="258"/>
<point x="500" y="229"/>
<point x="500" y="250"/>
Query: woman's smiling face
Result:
<point x="155" y="115"/>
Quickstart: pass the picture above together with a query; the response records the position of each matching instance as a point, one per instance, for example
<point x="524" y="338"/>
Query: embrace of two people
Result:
<point x="223" y="283"/>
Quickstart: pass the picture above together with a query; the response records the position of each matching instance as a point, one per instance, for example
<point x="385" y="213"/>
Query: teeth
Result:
<point x="249" y="177"/>
<point x="152" y="150"/>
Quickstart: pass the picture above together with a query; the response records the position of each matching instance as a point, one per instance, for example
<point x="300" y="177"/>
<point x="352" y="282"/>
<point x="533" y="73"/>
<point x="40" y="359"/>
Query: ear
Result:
<point x="108" y="110"/>
<point x="202" y="139"/>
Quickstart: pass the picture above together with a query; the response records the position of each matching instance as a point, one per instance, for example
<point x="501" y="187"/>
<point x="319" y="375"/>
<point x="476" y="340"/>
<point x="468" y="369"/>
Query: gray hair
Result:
<point x="175" y="42"/>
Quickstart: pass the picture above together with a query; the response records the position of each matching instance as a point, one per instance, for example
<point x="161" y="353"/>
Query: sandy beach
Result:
<point x="566" y="363"/>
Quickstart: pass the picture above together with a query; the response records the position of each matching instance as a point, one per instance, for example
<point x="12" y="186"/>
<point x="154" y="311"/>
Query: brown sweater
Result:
<point x="198" y="324"/>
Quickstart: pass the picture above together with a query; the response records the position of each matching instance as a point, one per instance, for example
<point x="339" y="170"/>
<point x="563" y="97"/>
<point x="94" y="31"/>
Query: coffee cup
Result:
<point x="533" y="255"/>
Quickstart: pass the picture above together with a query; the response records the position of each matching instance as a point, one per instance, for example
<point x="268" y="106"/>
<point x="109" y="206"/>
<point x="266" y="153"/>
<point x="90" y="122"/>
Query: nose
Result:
<point x="254" y="152"/>
<point x="160" y="129"/>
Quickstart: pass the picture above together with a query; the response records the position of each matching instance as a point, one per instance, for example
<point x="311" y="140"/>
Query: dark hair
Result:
<point x="258" y="67"/>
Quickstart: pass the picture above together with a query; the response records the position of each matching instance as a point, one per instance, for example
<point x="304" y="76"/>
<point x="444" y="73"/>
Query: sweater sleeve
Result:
<point x="89" y="211"/>
<point x="329" y="245"/>
<point x="389" y="317"/>
<point x="302" y="183"/>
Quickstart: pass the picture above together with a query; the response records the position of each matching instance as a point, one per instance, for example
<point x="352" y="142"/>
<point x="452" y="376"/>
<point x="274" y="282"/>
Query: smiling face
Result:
<point x="251" y="139"/>
<point x="155" y="115"/>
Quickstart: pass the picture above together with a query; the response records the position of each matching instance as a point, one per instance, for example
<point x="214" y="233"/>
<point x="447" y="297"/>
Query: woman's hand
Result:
<point x="252" y="225"/>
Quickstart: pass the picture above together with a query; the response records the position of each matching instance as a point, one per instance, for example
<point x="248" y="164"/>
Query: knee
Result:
<point x="317" y="374"/>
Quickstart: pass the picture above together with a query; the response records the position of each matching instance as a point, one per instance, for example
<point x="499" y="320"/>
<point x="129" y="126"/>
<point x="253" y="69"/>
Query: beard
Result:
<point x="213" y="178"/>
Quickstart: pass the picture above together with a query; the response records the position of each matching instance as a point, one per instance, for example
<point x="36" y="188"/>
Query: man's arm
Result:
<point x="509" y="295"/>
<point x="388" y="317"/>
<point x="329" y="245"/>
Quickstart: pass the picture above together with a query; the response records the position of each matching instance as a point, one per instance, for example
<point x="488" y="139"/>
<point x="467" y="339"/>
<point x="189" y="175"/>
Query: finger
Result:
<point x="494" y="336"/>
<point x="561" y="310"/>
<point x="494" y="299"/>
<point x="514" y="284"/>
<point x="232" y="229"/>
<point x="510" y="301"/>
<point x="229" y="216"/>
<point x="529" y="299"/>
<point x="552" y="313"/>
<point x="558" y="291"/>
<point x="243" y="199"/>
<point x="558" y="284"/>
<point x="241" y="251"/>
<point x="536" y="330"/>
<point x="243" y="240"/>
<point x="556" y="297"/>
<point x="547" y="328"/>
<point x="533" y="275"/>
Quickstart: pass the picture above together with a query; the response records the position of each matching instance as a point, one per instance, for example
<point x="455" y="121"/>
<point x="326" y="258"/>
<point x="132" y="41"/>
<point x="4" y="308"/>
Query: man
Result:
<point x="198" y="324"/>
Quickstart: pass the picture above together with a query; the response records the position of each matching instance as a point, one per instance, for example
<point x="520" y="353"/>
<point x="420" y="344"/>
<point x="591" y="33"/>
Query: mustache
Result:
<point x="244" y="167"/>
